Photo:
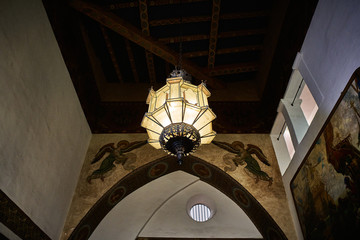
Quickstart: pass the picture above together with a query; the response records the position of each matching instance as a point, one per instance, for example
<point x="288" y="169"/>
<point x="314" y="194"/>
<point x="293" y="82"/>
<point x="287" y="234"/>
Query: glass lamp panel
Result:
<point x="161" y="96"/>
<point x="203" y="95"/>
<point x="153" y="135"/>
<point x="191" y="113"/>
<point x="162" y="116"/>
<point x="206" y="116"/>
<point x="175" y="90"/>
<point x="208" y="139"/>
<point x="151" y="100"/>
<point x="149" y="122"/>
<point x="176" y="109"/>
<point x="200" y="96"/>
<point x="152" y="103"/>
<point x="207" y="129"/>
<point x="190" y="95"/>
<point x="155" y="143"/>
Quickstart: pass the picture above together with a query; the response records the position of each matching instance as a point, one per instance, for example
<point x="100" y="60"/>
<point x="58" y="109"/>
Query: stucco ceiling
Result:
<point x="116" y="50"/>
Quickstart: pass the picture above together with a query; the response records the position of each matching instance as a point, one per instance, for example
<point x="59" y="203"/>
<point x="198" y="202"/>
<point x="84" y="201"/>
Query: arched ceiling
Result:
<point x="158" y="210"/>
<point x="158" y="206"/>
<point x="116" y="50"/>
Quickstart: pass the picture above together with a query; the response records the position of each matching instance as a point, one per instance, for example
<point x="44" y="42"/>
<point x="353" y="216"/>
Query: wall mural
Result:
<point x="244" y="156"/>
<point x="117" y="155"/>
<point x="206" y="172"/>
<point x="326" y="188"/>
<point x="100" y="152"/>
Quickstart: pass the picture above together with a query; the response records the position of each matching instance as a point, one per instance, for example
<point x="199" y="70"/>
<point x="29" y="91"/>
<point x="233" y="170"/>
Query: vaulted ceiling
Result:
<point x="116" y="50"/>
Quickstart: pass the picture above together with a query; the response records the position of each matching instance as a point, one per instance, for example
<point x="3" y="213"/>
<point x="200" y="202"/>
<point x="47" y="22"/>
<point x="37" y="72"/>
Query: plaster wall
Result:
<point x="272" y="198"/>
<point x="329" y="56"/>
<point x="44" y="133"/>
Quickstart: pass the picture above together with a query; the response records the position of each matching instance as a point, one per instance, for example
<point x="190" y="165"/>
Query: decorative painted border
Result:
<point x="17" y="221"/>
<point x="206" y="172"/>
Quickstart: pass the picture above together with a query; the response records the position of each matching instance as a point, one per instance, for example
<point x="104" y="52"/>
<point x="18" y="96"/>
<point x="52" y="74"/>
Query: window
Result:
<point x="289" y="143"/>
<point x="308" y="104"/>
<point x="200" y="208"/>
<point x="200" y="212"/>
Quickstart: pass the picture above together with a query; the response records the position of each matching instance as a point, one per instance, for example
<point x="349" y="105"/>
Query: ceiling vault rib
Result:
<point x="145" y="30"/>
<point x="130" y="32"/>
<point x="213" y="32"/>
<point x="112" y="54"/>
<point x="164" y="202"/>
<point x="131" y="60"/>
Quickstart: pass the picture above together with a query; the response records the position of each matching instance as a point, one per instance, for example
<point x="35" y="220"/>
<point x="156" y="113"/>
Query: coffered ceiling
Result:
<point x="116" y="50"/>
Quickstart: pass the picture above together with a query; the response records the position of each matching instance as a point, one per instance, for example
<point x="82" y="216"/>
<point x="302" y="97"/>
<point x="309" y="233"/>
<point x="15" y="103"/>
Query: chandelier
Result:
<point x="179" y="119"/>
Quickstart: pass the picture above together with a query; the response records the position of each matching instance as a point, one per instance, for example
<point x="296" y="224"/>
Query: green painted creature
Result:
<point x="115" y="154"/>
<point x="244" y="156"/>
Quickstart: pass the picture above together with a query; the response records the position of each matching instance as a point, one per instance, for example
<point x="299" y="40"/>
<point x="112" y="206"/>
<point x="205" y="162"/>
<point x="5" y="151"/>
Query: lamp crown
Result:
<point x="181" y="73"/>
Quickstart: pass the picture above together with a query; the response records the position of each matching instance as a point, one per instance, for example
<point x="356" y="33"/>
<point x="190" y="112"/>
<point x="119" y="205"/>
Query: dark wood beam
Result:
<point x="196" y="19"/>
<point x="239" y="33"/>
<point x="131" y="60"/>
<point x="151" y="3"/>
<point x="130" y="32"/>
<point x="224" y="51"/>
<point x="171" y="21"/>
<point x="143" y="14"/>
<point x="213" y="32"/>
<point x="112" y="54"/>
<point x="190" y="38"/>
<point x="239" y="49"/>
<point x="233" y="69"/>
<point x="256" y="14"/>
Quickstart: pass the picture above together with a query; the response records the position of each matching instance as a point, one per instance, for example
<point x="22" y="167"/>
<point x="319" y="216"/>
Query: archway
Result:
<point x="207" y="173"/>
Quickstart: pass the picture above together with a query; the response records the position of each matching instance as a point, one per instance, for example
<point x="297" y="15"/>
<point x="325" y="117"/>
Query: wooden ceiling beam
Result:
<point x="151" y="3"/>
<point x="247" y="32"/>
<point x="214" y="26"/>
<point x="171" y="21"/>
<point x="233" y="69"/>
<point x="196" y="19"/>
<point x="112" y="54"/>
<point x="224" y="51"/>
<point x="131" y="60"/>
<point x="255" y="14"/>
<point x="189" y="38"/>
<point x="130" y="32"/>
<point x="146" y="31"/>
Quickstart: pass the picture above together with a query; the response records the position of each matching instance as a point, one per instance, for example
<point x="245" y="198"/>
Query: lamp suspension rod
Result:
<point x="292" y="104"/>
<point x="281" y="131"/>
<point x="180" y="36"/>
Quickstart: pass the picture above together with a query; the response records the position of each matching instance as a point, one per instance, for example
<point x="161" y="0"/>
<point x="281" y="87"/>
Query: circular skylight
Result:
<point x="200" y="208"/>
<point x="200" y="212"/>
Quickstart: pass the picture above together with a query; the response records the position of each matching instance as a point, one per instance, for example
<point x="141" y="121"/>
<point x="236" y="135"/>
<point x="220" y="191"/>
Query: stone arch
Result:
<point x="207" y="172"/>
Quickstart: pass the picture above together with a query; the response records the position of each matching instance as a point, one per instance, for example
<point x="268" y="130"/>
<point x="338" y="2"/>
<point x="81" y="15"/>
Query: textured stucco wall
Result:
<point x="272" y="198"/>
<point x="44" y="134"/>
<point x="329" y="56"/>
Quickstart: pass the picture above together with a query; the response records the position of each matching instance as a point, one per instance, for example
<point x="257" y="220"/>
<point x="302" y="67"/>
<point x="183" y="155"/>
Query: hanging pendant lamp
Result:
<point x="179" y="119"/>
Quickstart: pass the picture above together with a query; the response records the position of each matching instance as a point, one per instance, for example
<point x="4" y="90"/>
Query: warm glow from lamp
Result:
<point x="176" y="108"/>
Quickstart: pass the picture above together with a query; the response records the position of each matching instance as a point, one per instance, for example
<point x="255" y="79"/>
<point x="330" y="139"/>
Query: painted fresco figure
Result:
<point x="116" y="154"/>
<point x="244" y="156"/>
